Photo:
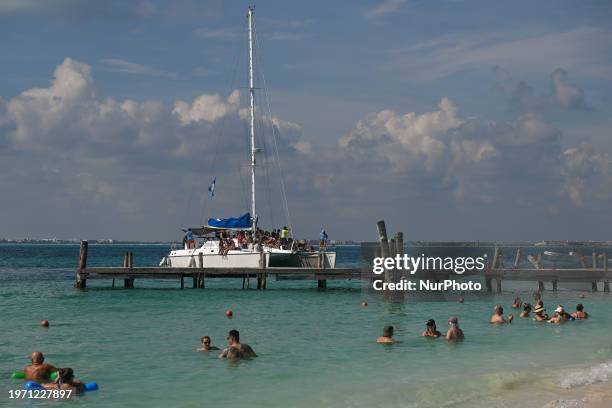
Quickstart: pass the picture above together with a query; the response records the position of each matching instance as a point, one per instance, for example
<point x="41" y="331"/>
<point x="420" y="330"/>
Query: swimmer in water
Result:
<point x="387" y="337"/>
<point x="517" y="303"/>
<point x="498" y="315"/>
<point x="65" y="381"/>
<point x="580" y="314"/>
<point x="540" y="314"/>
<point x="526" y="309"/>
<point x="454" y="332"/>
<point x="205" y="344"/>
<point x="235" y="349"/>
<point x="38" y="371"/>
<point x="560" y="316"/>
<point x="430" y="330"/>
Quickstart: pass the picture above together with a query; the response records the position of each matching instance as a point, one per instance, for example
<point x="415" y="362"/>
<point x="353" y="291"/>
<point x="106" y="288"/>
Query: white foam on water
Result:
<point x="591" y="375"/>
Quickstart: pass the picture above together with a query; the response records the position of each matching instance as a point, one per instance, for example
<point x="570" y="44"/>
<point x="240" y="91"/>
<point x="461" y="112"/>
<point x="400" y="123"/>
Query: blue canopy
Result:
<point x="242" y="222"/>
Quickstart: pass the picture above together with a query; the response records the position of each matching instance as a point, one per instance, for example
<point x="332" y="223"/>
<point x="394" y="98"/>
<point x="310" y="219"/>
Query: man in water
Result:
<point x="580" y="314"/>
<point x="236" y="350"/>
<point x="38" y="371"/>
<point x="498" y="315"/>
<point x="526" y="309"/>
<point x="65" y="381"/>
<point x="205" y="344"/>
<point x="454" y="332"/>
<point x="540" y="314"/>
<point x="517" y="303"/>
<point x="430" y="330"/>
<point x="387" y="337"/>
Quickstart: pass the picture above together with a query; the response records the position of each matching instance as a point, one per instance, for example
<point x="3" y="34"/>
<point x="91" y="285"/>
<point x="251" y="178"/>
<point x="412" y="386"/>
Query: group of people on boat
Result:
<point x="245" y="239"/>
<point x="235" y="350"/>
<point x="41" y="372"/>
<point x="455" y="333"/>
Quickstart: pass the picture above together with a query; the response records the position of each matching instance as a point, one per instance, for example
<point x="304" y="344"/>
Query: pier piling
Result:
<point x="81" y="281"/>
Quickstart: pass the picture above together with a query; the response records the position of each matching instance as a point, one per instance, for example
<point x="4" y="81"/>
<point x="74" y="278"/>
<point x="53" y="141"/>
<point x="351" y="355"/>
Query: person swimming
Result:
<point x="526" y="309"/>
<point x="517" y="303"/>
<point x="580" y="314"/>
<point x="38" y="371"/>
<point x="560" y="316"/>
<point x="205" y="344"/>
<point x="387" y="337"/>
<point x="65" y="381"/>
<point x="430" y="330"/>
<point x="236" y="350"/>
<point x="498" y="315"/>
<point x="454" y="332"/>
<point x="540" y="314"/>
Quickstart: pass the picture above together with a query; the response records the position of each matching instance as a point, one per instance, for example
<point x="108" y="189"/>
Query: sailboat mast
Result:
<point x="252" y="118"/>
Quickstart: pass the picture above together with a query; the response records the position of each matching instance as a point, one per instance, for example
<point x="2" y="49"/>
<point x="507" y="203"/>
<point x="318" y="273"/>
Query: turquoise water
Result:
<point x="316" y="349"/>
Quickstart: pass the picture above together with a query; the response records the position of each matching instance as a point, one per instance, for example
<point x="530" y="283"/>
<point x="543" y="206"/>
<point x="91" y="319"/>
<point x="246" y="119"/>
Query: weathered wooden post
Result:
<point x="605" y="266"/>
<point x="201" y="276"/>
<point x="81" y="280"/>
<point x="554" y="285"/>
<point x="382" y="238"/>
<point x="496" y="260"/>
<point x="321" y="283"/>
<point x="517" y="258"/>
<point x="128" y="283"/>
<point x="594" y="260"/>
<point x="262" y="265"/>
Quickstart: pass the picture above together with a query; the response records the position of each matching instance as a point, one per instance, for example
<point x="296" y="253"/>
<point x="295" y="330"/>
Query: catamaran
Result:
<point x="220" y="252"/>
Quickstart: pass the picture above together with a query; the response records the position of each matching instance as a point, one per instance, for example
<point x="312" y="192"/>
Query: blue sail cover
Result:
<point x="242" y="222"/>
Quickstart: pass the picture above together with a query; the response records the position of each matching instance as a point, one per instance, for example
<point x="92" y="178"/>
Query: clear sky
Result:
<point x="452" y="120"/>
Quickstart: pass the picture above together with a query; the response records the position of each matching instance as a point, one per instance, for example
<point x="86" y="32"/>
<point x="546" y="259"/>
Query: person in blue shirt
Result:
<point x="322" y="239"/>
<point x="189" y="239"/>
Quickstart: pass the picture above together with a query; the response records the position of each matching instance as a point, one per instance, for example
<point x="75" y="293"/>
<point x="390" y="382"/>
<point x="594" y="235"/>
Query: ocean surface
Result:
<point x="316" y="348"/>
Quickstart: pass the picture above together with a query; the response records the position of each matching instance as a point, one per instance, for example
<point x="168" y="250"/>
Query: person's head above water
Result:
<point x="498" y="309"/>
<point x="234" y="336"/>
<point x="453" y="320"/>
<point x="205" y="340"/>
<point x="579" y="307"/>
<point x="37" y="357"/>
<point x="431" y="324"/>
<point x="388" y="331"/>
<point x="539" y="309"/>
<point x="526" y="306"/>
<point x="65" y="374"/>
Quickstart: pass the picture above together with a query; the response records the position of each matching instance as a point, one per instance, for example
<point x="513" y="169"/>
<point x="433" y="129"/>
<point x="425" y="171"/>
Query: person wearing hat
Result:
<point x="498" y="315"/>
<point x="560" y="316"/>
<point x="454" y="332"/>
<point x="540" y="314"/>
<point x="430" y="330"/>
<point x="580" y="314"/>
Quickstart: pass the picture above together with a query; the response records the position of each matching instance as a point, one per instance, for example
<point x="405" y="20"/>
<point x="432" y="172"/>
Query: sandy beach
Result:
<point x="597" y="395"/>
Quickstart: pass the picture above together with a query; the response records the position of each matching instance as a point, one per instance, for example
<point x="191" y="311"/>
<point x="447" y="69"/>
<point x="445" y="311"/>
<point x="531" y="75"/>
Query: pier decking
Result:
<point x="128" y="273"/>
<point x="597" y="273"/>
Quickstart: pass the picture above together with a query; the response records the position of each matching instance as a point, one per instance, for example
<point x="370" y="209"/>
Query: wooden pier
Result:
<point x="128" y="273"/>
<point x="595" y="274"/>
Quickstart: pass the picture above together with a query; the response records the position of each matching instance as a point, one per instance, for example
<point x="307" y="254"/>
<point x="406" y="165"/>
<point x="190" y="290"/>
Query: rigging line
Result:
<point x="266" y="168"/>
<point x="267" y="98"/>
<point x="238" y="58"/>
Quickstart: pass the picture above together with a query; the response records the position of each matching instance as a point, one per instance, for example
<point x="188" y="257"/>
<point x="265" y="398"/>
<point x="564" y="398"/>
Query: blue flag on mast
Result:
<point x="211" y="188"/>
